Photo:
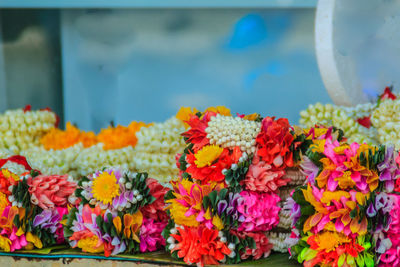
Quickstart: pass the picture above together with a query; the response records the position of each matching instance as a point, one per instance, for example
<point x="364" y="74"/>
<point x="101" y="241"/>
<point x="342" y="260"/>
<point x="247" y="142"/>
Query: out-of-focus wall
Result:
<point x="31" y="72"/>
<point x="143" y="64"/>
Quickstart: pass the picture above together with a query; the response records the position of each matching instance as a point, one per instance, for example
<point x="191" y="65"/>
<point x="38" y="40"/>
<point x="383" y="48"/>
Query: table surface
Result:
<point x="49" y="255"/>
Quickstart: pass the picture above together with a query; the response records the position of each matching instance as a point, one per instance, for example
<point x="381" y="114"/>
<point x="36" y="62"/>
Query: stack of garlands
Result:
<point x="119" y="212"/>
<point x="225" y="200"/>
<point x="342" y="216"/>
<point x="21" y="129"/>
<point x="31" y="207"/>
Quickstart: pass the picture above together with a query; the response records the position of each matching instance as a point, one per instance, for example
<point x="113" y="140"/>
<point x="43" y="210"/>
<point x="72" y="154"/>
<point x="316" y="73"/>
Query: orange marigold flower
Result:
<point x="120" y="136"/>
<point x="61" y="139"/>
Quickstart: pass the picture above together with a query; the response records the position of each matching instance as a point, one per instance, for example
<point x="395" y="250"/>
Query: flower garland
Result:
<point x="372" y="123"/>
<point x="31" y="207"/>
<point x="119" y="212"/>
<point x="225" y="200"/>
<point x="340" y="216"/>
<point x="22" y="128"/>
<point x="156" y="149"/>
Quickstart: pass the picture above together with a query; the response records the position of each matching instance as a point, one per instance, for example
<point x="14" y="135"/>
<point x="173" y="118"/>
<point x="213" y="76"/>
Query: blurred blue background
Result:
<point x="94" y="66"/>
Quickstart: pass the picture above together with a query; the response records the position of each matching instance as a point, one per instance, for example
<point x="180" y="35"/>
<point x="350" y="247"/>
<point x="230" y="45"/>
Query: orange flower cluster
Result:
<point x="120" y="136"/>
<point x="111" y="137"/>
<point x="59" y="139"/>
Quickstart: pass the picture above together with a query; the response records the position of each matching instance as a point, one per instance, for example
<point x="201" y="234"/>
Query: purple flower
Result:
<point x="383" y="202"/>
<point x="231" y="207"/>
<point x="388" y="169"/>
<point x="309" y="169"/>
<point x="293" y="208"/>
<point x="47" y="219"/>
<point x="371" y="212"/>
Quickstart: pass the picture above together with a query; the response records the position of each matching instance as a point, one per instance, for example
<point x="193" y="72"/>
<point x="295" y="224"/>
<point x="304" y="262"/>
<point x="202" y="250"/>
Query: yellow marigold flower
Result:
<point x="105" y="187"/>
<point x="5" y="243"/>
<point x="185" y="113"/>
<point x="90" y="244"/>
<point x="207" y="155"/>
<point x="35" y="240"/>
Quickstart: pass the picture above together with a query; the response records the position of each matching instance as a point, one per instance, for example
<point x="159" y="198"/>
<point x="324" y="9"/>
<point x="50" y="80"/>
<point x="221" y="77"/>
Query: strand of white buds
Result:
<point x="331" y="115"/>
<point x="386" y="119"/>
<point x="285" y="221"/>
<point x="156" y="149"/>
<point x="229" y="132"/>
<point x="53" y="161"/>
<point x="159" y="166"/>
<point x="295" y="176"/>
<point x="278" y="241"/>
<point x="95" y="158"/>
<point x="21" y="130"/>
<point x="162" y="137"/>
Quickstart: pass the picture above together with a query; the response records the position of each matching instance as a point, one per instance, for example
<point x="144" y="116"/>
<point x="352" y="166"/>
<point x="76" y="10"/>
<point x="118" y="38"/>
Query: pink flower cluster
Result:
<point x="49" y="191"/>
<point x="391" y="257"/>
<point x="150" y="235"/>
<point x="262" y="177"/>
<point x="260" y="211"/>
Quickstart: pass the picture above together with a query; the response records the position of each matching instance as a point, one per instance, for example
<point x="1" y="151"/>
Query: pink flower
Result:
<point x="263" y="247"/>
<point x="392" y="256"/>
<point x="50" y="191"/>
<point x="262" y="177"/>
<point x="260" y="211"/>
<point x="17" y="241"/>
<point x="150" y="235"/>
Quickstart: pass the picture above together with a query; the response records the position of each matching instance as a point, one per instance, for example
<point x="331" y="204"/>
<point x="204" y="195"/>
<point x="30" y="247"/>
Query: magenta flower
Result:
<point x="150" y="235"/>
<point x="260" y="211"/>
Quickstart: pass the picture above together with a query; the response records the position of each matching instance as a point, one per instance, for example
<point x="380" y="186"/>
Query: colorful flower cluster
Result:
<point x="119" y="212"/>
<point x="31" y="206"/>
<point x="341" y="217"/>
<point x="226" y="200"/>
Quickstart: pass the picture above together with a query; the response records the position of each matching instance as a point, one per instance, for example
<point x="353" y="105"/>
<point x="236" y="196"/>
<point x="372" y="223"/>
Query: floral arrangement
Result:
<point x="342" y="216"/>
<point x="119" y="212"/>
<point x="31" y="207"/>
<point x="373" y="123"/>
<point x="226" y="198"/>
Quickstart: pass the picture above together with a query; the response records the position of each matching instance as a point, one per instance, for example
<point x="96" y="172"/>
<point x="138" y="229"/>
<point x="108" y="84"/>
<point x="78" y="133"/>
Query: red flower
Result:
<point x="263" y="247"/>
<point x="387" y="94"/>
<point x="213" y="172"/>
<point x="274" y="141"/>
<point x="155" y="210"/>
<point x="366" y="121"/>
<point x="197" y="134"/>
<point x="21" y="160"/>
<point x="199" y="245"/>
